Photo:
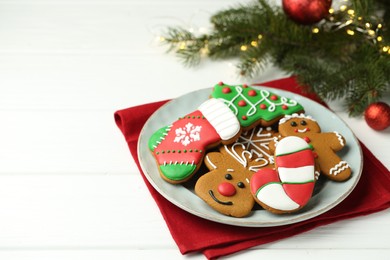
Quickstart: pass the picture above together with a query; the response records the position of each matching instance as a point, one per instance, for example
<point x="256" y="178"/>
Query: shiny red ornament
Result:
<point x="306" y="11"/>
<point x="377" y="115"/>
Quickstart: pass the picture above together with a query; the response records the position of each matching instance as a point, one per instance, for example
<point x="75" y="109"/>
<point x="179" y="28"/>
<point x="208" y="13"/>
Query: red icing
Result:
<point x="226" y="90"/>
<point x="242" y="103"/>
<point x="244" y="117"/>
<point x="295" y="160"/>
<point x="307" y="139"/>
<point x="244" y="85"/>
<point x="252" y="93"/>
<point x="262" y="177"/>
<point x="226" y="189"/>
<point x="221" y="83"/>
<point x="274" y="97"/>
<point x="284" y="107"/>
<point x="192" y="152"/>
<point x="263" y="106"/>
<point x="300" y="193"/>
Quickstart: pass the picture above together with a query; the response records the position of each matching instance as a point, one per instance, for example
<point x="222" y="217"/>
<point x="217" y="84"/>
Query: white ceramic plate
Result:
<point x="327" y="193"/>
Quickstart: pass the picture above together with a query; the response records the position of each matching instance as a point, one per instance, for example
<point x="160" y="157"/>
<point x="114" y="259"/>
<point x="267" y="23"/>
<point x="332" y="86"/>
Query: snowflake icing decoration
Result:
<point x="187" y="134"/>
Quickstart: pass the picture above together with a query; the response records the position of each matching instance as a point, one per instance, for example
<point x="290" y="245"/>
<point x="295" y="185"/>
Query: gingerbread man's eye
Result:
<point x="228" y="176"/>
<point x="293" y="123"/>
<point x="241" y="185"/>
<point x="303" y="122"/>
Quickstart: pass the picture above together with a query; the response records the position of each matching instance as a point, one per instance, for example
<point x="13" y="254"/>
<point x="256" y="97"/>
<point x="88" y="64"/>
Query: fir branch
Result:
<point x="332" y="62"/>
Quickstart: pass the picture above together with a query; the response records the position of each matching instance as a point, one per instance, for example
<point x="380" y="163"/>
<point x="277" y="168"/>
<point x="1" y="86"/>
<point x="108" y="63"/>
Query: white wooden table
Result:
<point x="69" y="188"/>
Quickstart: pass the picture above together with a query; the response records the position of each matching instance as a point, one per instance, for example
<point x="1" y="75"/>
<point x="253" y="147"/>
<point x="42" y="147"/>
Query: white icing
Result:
<point x="274" y="196"/>
<point x="260" y="146"/>
<point x="302" y="130"/>
<point x="340" y="138"/>
<point x="290" y="144"/>
<point x="264" y="94"/>
<point x="210" y="162"/>
<point x="239" y="158"/>
<point x="296" y="175"/>
<point x="295" y="115"/>
<point x="247" y="180"/>
<point x="221" y="118"/>
<point x="341" y="166"/>
<point x="230" y="170"/>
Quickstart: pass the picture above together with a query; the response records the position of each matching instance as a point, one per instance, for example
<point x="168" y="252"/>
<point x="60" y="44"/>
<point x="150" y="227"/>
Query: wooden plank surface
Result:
<point x="69" y="188"/>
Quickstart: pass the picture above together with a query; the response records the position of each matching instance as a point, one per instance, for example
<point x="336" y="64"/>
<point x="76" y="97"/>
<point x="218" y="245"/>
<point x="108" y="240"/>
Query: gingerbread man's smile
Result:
<point x="302" y="130"/>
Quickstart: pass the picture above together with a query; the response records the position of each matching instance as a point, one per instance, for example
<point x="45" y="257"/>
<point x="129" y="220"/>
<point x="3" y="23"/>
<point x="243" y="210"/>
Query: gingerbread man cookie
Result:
<point x="179" y="148"/>
<point x="255" y="106"/>
<point x="226" y="187"/>
<point x="324" y="145"/>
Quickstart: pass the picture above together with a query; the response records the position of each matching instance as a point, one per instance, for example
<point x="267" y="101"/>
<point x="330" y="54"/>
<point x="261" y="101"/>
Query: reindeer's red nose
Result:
<point x="226" y="189"/>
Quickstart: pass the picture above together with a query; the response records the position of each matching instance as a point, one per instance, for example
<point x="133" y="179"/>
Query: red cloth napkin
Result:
<point x="192" y="233"/>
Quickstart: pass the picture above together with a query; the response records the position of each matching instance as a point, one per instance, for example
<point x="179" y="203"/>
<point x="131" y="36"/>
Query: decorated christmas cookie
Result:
<point x="226" y="187"/>
<point x="179" y="148"/>
<point x="289" y="187"/>
<point x="255" y="106"/>
<point x="324" y="145"/>
<point x="257" y="140"/>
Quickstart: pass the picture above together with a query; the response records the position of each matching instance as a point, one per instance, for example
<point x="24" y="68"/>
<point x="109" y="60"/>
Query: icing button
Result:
<point x="221" y="83"/>
<point x="244" y="117"/>
<point x="226" y="90"/>
<point x="284" y="107"/>
<point x="242" y="103"/>
<point x="274" y="97"/>
<point x="307" y="139"/>
<point x="263" y="106"/>
<point x="252" y="93"/>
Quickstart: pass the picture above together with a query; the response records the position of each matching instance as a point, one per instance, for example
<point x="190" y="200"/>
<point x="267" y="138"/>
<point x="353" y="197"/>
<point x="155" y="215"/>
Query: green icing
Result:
<point x="157" y="137"/>
<point x="259" y="106"/>
<point x="177" y="172"/>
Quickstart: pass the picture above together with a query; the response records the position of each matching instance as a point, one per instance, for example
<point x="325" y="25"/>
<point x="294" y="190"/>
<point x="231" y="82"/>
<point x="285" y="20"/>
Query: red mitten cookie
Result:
<point x="179" y="148"/>
<point x="289" y="187"/>
<point x="324" y="145"/>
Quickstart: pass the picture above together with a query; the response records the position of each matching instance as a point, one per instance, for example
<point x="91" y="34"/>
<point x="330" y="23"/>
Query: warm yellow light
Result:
<point x="379" y="26"/>
<point x="254" y="43"/>
<point x="331" y="10"/>
<point x="385" y="48"/>
<point x="182" y="46"/>
<point x="351" y="12"/>
<point x="350" y="32"/>
<point x="379" y="38"/>
<point x="368" y="25"/>
<point x="260" y="36"/>
<point x="348" y="22"/>
<point x="343" y="8"/>
<point x="371" y="32"/>
<point x="161" y="38"/>
<point x="315" y="30"/>
<point x="244" y="47"/>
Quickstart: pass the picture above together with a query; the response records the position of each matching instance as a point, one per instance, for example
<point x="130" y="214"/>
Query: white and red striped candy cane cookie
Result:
<point x="290" y="186"/>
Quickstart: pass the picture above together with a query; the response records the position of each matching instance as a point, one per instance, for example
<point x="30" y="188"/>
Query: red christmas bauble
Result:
<point x="377" y="115"/>
<point x="306" y="11"/>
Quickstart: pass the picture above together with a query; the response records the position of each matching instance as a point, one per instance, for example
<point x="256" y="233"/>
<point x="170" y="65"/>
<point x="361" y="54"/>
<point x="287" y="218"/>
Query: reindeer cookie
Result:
<point x="226" y="187"/>
<point x="324" y="145"/>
